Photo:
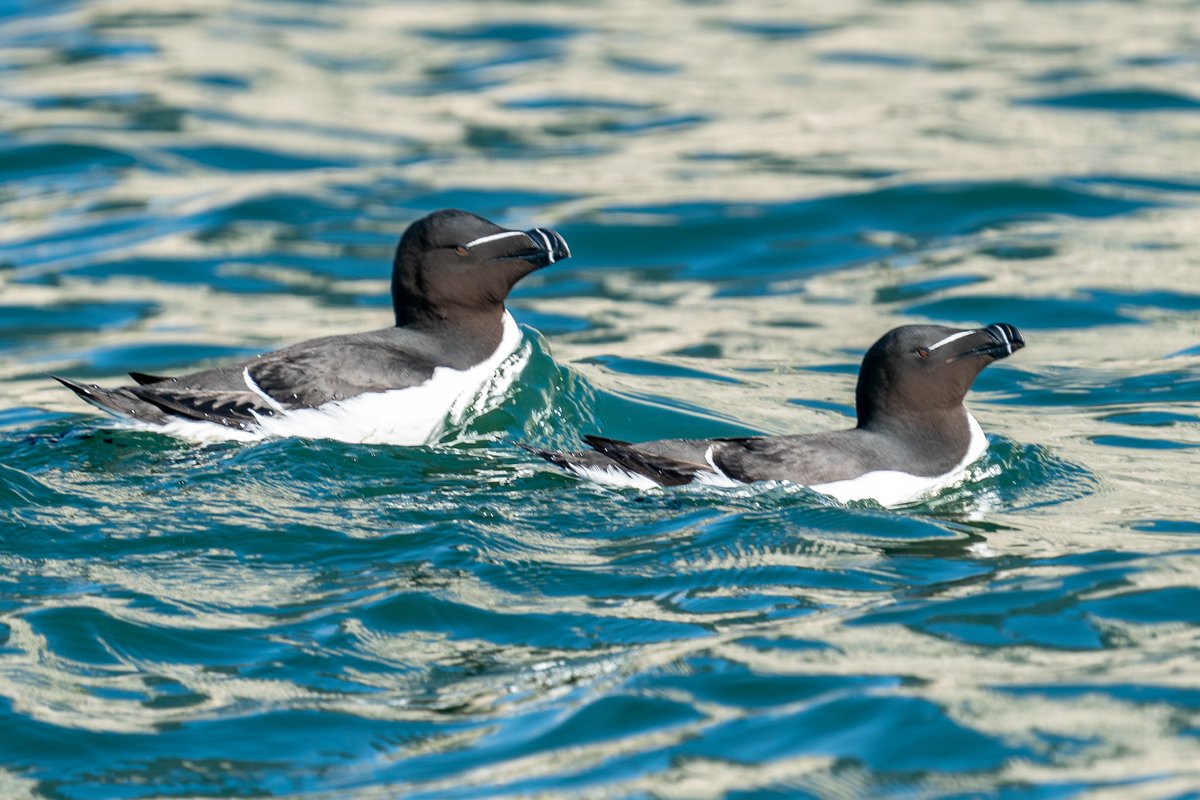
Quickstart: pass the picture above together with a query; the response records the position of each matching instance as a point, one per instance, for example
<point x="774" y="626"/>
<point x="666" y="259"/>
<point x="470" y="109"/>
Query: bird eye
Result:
<point x="462" y="251"/>
<point x="923" y="352"/>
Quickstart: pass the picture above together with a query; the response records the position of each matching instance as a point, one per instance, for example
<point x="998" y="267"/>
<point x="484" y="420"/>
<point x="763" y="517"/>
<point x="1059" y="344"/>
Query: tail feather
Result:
<point x="661" y="469"/>
<point x="158" y="401"/>
<point x="574" y="461"/>
<point x="593" y="466"/>
<point x="611" y="456"/>
<point x="118" y="402"/>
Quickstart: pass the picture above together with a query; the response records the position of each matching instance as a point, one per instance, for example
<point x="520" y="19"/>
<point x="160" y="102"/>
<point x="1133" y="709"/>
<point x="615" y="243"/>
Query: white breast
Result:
<point x="613" y="476"/>
<point x="892" y="487"/>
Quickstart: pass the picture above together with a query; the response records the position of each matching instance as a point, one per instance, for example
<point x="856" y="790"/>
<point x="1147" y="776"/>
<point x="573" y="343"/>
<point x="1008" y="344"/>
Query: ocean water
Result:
<point x="753" y="192"/>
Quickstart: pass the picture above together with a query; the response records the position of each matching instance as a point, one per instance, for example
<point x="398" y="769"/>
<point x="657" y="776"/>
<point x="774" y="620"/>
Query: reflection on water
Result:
<point x="753" y="193"/>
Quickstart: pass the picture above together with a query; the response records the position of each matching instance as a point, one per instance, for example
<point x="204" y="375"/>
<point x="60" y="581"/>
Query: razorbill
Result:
<point x="450" y="277"/>
<point x="913" y="435"/>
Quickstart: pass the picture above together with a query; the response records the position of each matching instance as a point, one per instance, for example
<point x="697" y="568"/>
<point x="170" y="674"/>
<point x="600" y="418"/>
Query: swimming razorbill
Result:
<point x="913" y="435"/>
<point x="450" y="277"/>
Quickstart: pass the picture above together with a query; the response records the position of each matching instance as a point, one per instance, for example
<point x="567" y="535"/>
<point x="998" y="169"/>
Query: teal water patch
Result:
<point x="241" y="276"/>
<point x="555" y="406"/>
<point x="245" y="159"/>
<point x="923" y="288"/>
<point x="628" y="124"/>
<point x="1125" y="100"/>
<point x="1025" y="613"/>
<point x="570" y="103"/>
<point x="20" y="322"/>
<point x="1025" y="313"/>
<point x="508" y="32"/>
<point x="643" y="66"/>
<point x="753" y="244"/>
<point x="1090" y="309"/>
<point x="518" y="42"/>
<point x="769" y="162"/>
<point x="1090" y="387"/>
<point x="638" y="366"/>
<point x="135" y="110"/>
<point x="1152" y="419"/>
<point x="1187" y="351"/>
<point x="1170" y="604"/>
<point x="151" y="358"/>
<point x="865" y="728"/>
<point x="40" y="160"/>
<point x="1167" y="526"/>
<point x="1142" y="443"/>
<point x="1182" y="698"/>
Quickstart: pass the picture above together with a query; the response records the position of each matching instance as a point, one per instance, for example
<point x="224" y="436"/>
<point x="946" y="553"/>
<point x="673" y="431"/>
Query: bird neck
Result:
<point x="472" y="333"/>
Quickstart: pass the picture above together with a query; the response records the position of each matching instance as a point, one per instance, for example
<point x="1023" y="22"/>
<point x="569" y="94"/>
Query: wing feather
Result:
<point x="229" y="408"/>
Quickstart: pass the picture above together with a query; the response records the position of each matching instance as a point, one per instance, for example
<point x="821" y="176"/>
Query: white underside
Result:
<point x="613" y="476"/>
<point x="886" y="487"/>
<point x="412" y="416"/>
<point x="893" y="488"/>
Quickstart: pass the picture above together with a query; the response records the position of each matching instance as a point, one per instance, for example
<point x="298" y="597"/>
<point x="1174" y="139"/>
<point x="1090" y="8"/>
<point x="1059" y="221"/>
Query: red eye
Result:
<point x="923" y="352"/>
<point x="462" y="251"/>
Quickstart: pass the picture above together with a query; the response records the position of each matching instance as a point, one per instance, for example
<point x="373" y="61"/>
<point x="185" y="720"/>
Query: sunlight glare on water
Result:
<point x="752" y="194"/>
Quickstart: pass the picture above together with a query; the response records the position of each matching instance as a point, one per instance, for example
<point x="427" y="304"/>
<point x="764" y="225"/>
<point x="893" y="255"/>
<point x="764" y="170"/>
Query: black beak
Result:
<point x="548" y="247"/>
<point x="1002" y="340"/>
<point x="538" y="247"/>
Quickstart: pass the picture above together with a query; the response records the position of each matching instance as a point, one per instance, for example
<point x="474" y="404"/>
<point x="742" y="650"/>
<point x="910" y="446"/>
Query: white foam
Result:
<point x="893" y="487"/>
<point x="412" y="416"/>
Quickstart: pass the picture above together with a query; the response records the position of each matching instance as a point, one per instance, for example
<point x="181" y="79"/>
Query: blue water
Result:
<point x="752" y="195"/>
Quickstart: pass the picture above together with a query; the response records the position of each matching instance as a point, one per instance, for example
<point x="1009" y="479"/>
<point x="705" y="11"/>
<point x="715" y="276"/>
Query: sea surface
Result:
<point x="753" y="192"/>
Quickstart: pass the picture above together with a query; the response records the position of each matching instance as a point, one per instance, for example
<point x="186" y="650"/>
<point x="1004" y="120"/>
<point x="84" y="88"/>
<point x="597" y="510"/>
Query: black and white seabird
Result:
<point x="913" y="437"/>
<point x="451" y="275"/>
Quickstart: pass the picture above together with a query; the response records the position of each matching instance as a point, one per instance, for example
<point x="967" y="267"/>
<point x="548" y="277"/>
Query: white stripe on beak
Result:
<point x="951" y="338"/>
<point x="492" y="237"/>
<point x="1004" y="336"/>
<point x="546" y="239"/>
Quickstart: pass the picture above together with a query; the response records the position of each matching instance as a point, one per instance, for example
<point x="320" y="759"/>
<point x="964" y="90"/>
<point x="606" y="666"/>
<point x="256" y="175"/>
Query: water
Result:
<point x="753" y="193"/>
